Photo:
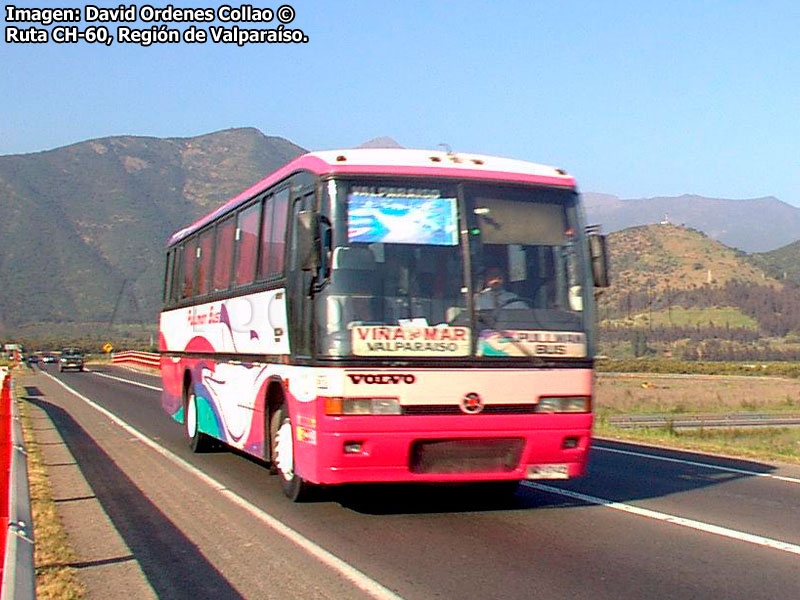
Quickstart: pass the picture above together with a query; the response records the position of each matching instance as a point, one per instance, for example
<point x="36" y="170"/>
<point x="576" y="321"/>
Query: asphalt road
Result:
<point x="644" y="523"/>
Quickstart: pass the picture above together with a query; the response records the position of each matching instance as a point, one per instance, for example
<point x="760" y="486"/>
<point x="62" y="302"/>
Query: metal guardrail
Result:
<point x="144" y="359"/>
<point x="709" y="420"/>
<point x="19" y="581"/>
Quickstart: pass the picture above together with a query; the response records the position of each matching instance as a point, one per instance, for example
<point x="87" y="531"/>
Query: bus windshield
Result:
<point x="441" y="270"/>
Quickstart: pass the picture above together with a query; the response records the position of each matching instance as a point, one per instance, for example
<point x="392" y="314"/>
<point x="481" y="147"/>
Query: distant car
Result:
<point x="32" y="359"/>
<point x="48" y="359"/>
<point x="71" y="358"/>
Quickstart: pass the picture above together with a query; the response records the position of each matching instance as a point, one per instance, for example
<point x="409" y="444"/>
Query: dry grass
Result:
<point x="53" y="555"/>
<point x="650" y="393"/>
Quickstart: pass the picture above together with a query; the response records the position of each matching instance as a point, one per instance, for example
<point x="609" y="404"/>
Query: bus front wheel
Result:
<point x="282" y="436"/>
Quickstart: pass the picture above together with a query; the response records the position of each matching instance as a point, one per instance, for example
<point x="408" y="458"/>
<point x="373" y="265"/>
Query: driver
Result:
<point x="494" y="295"/>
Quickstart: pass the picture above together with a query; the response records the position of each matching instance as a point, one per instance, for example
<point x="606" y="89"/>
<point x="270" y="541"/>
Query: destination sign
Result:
<point x="381" y="340"/>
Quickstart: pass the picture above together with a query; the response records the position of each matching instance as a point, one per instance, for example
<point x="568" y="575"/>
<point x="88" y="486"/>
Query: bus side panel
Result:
<point x="231" y="398"/>
<point x="172" y="387"/>
<point x="254" y="324"/>
<point x="171" y="382"/>
<point x="301" y="395"/>
<point x="227" y="391"/>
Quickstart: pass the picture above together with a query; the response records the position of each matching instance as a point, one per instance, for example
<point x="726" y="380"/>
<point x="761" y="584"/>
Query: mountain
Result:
<point x="85" y="222"/>
<point x="83" y="227"/>
<point x="380" y="142"/>
<point x="783" y="263"/>
<point x="756" y="225"/>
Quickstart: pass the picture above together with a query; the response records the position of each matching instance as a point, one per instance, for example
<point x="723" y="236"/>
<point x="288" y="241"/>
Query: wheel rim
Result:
<point x="191" y="416"/>
<point x="284" y="458"/>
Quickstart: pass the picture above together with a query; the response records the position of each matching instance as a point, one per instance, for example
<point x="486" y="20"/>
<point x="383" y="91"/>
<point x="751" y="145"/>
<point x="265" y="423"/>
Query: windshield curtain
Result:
<point x="439" y="270"/>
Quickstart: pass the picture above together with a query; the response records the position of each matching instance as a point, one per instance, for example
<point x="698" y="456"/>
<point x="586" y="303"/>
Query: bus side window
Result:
<point x="165" y="296"/>
<point x="278" y="232"/>
<point x="223" y="254"/>
<point x="175" y="280"/>
<point x="204" y="263"/>
<point x="265" y="238"/>
<point x="296" y="208"/>
<point x="247" y="245"/>
<point x="189" y="259"/>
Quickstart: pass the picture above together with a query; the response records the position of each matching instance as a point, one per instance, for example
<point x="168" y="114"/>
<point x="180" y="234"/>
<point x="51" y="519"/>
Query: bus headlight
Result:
<point x="564" y="404"/>
<point x="362" y="406"/>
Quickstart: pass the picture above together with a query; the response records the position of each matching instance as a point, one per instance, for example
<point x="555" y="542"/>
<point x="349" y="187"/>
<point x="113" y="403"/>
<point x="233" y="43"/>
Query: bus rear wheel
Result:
<point x="198" y="441"/>
<point x="282" y="437"/>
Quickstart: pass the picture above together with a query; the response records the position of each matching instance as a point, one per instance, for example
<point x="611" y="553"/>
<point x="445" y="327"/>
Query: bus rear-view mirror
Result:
<point x="599" y="255"/>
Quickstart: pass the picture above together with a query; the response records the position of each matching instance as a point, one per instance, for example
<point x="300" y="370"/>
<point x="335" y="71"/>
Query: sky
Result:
<point x="636" y="99"/>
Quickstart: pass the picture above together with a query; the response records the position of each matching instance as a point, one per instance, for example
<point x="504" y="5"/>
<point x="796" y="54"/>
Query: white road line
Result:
<point x="651" y="514"/>
<point x="144" y="385"/>
<point x="356" y="577"/>
<point x="698" y="464"/>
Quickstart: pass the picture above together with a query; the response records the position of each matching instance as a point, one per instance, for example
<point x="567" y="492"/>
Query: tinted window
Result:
<point x="175" y="280"/>
<point x="204" y="263"/>
<point x="189" y="259"/>
<point x="278" y="232"/>
<point x="224" y="254"/>
<point x="168" y="276"/>
<point x="247" y="244"/>
<point x="266" y="226"/>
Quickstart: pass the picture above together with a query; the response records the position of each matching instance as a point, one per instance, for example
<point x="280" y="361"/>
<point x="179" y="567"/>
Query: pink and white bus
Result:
<point x="393" y="315"/>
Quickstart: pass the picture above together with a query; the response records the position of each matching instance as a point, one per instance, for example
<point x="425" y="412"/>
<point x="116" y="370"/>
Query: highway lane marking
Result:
<point x="699" y="464"/>
<point x="355" y="576"/>
<point x="692" y="463"/>
<point x="350" y="573"/>
<point x="144" y="385"/>
<point x="680" y="521"/>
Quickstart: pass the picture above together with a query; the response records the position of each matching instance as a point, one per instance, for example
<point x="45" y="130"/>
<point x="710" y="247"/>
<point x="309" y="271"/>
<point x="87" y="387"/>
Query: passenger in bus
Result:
<point x="494" y="295"/>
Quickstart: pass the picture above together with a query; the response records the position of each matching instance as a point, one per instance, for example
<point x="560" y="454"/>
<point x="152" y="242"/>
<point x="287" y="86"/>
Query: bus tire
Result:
<point x="198" y="441"/>
<point x="282" y="439"/>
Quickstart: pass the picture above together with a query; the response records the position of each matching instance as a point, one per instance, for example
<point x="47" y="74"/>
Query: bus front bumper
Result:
<point x="451" y="449"/>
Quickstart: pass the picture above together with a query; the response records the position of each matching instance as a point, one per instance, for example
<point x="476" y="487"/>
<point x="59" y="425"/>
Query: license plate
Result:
<point x="560" y="471"/>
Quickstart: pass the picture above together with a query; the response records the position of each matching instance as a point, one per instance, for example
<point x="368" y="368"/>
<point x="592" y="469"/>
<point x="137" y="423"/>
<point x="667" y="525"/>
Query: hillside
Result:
<point x="661" y="257"/>
<point x="732" y="222"/>
<point x="655" y="266"/>
<point x="668" y="276"/>
<point x="783" y="263"/>
<point x="79" y="221"/>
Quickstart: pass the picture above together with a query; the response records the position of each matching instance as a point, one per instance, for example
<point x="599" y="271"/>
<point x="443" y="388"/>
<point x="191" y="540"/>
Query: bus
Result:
<point x="388" y="315"/>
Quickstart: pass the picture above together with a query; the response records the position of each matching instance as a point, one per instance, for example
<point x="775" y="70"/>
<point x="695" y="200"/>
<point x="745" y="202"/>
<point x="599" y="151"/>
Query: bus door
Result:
<point x="300" y="300"/>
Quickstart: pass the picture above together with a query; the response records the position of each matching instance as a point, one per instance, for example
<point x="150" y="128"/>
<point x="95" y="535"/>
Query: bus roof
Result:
<point x="397" y="162"/>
